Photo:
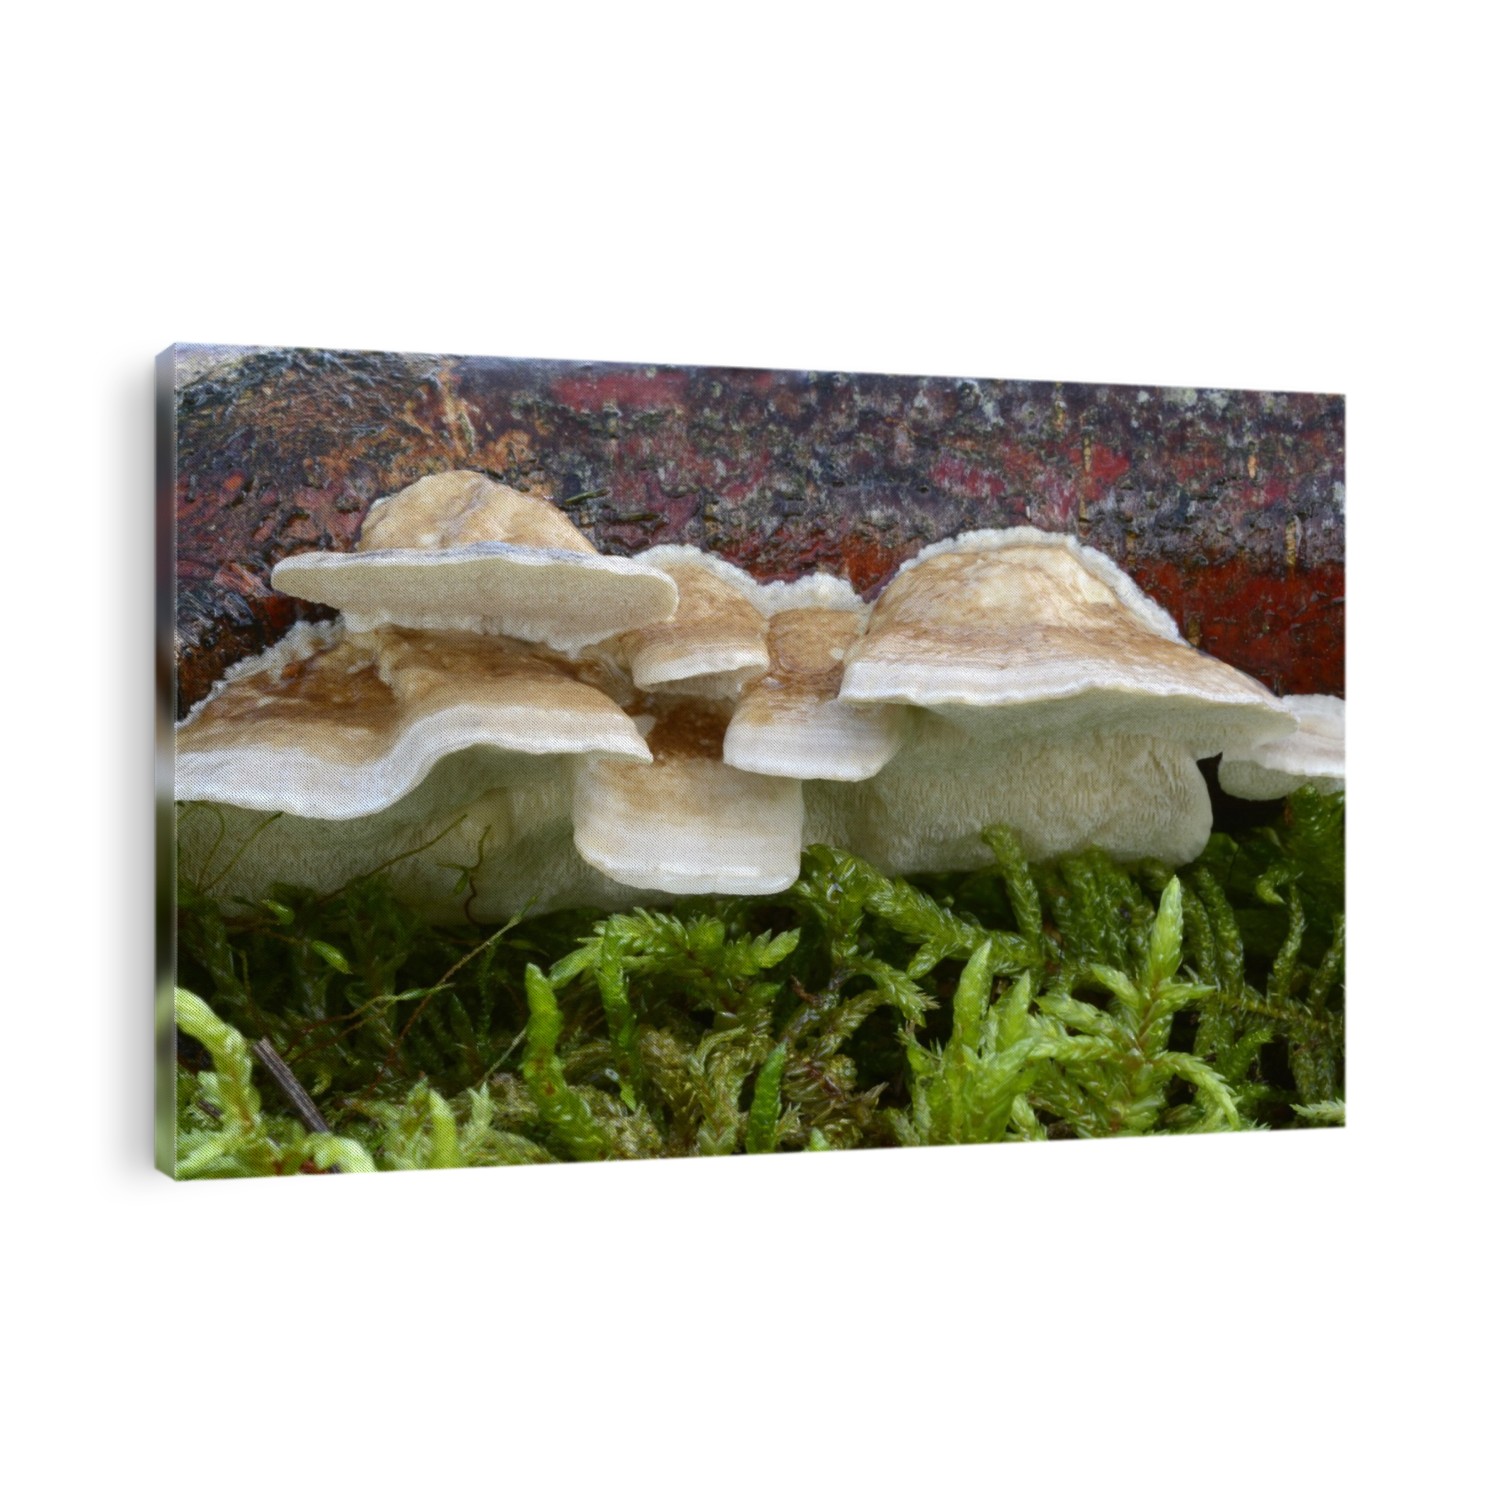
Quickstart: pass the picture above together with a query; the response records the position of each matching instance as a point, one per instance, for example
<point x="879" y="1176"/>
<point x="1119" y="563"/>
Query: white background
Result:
<point x="1289" y="196"/>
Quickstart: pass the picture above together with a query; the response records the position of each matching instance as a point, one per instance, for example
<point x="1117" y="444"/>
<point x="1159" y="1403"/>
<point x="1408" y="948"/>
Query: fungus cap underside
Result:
<point x="688" y="823"/>
<point x="1312" y="755"/>
<point x="461" y="552"/>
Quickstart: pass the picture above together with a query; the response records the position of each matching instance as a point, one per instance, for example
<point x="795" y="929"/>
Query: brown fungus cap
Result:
<point x="1024" y="632"/>
<point x="714" y="641"/>
<point x="791" y="721"/>
<point x="1312" y="755"/>
<point x="687" y="823"/>
<point x="332" y="725"/>
<point x="458" y="551"/>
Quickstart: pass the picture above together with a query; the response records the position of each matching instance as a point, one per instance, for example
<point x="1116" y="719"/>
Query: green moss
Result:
<point x="1080" y="998"/>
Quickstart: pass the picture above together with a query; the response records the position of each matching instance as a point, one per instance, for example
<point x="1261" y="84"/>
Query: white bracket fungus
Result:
<point x="1131" y="795"/>
<point x="791" y="721"/>
<point x="459" y="552"/>
<point x="351" y="727"/>
<point x="688" y="822"/>
<point x="1312" y="755"/>
<point x="470" y="841"/>
<point x="690" y="730"/>
<point x="714" y="641"/>
<point x="1026" y="633"/>
<point x="1054" y="697"/>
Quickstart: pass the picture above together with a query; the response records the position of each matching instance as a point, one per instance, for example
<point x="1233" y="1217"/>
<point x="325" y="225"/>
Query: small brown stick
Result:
<point x="300" y="1100"/>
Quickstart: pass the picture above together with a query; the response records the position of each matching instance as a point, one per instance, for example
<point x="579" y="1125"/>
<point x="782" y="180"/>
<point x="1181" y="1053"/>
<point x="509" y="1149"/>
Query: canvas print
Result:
<point x="567" y="762"/>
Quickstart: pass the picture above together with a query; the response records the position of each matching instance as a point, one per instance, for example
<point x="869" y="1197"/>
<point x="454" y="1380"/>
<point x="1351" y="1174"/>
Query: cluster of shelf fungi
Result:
<point x="502" y="719"/>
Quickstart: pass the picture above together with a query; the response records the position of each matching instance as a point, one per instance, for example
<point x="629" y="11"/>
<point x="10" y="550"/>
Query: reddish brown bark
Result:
<point x="1227" y="506"/>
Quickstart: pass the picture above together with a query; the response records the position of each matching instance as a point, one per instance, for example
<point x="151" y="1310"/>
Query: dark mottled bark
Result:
<point x="1227" y="506"/>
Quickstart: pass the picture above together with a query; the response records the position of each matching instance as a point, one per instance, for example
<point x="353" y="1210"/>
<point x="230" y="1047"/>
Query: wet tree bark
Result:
<point x="1226" y="506"/>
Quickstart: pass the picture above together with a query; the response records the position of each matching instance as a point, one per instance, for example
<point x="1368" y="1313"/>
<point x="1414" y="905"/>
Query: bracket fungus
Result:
<point x="791" y="721"/>
<point x="1053" y="696"/>
<point x="469" y="842"/>
<point x="688" y="822"/>
<point x="343" y="725"/>
<point x="502" y="704"/>
<point x="369" y="744"/>
<point x="714" y="641"/>
<point x="458" y="551"/>
<point x="1025" y="632"/>
<point x="1131" y="795"/>
<point x="1312" y="755"/>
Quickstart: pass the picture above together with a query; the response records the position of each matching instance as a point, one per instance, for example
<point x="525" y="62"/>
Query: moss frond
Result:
<point x="1084" y="997"/>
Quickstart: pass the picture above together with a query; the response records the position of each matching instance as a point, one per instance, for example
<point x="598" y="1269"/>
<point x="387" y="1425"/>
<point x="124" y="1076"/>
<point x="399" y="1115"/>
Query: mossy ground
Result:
<point x="1079" y="998"/>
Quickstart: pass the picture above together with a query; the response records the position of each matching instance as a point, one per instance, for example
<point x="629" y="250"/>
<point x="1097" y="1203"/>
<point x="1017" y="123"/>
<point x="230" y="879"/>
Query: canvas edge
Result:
<point x="165" y="818"/>
<point x="198" y="360"/>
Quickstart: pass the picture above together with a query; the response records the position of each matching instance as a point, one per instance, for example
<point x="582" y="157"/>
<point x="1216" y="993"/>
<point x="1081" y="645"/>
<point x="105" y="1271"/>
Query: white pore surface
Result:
<point x="1029" y="700"/>
<point x="829" y="740"/>
<point x="705" y="671"/>
<point x="279" y="779"/>
<point x="1313" y="755"/>
<point x="476" y="809"/>
<point x="1132" y="796"/>
<point x="566" y="600"/>
<point x="507" y="819"/>
<point x="689" y="827"/>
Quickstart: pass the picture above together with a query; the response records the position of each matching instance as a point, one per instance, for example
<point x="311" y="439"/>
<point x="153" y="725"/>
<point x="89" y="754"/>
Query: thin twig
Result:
<point x="286" y="1080"/>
